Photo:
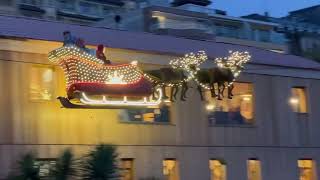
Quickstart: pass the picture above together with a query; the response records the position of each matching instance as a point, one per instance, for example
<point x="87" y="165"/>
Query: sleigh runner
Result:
<point x="90" y="82"/>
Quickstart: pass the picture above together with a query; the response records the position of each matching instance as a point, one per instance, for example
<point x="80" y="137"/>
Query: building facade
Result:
<point x="301" y="28"/>
<point x="194" y="21"/>
<point x="269" y="130"/>
<point x="188" y="19"/>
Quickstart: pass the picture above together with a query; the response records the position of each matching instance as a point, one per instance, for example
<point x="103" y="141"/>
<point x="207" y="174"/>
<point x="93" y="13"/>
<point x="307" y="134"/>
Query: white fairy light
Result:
<point x="80" y="66"/>
<point x="125" y="102"/>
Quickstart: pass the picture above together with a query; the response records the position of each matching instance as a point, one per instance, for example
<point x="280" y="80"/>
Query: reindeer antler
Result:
<point x="189" y="59"/>
<point x="234" y="61"/>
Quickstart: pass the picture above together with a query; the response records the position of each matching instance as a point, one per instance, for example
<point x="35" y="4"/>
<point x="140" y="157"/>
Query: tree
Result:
<point x="26" y="170"/>
<point x="100" y="164"/>
<point x="64" y="167"/>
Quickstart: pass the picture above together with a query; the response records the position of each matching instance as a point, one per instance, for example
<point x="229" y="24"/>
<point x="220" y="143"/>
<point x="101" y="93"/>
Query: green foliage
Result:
<point x="100" y="164"/>
<point x="26" y="169"/>
<point x="64" y="167"/>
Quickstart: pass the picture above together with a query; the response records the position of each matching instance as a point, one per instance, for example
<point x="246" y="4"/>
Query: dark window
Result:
<point x="160" y="115"/>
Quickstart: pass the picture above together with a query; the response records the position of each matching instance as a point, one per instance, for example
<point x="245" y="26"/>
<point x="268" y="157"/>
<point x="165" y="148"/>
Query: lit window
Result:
<point x="218" y="170"/>
<point x="170" y="169"/>
<point x="254" y="169"/>
<point x="306" y="169"/>
<point x="127" y="169"/>
<point x="238" y="110"/>
<point x="41" y="83"/>
<point x="45" y="166"/>
<point x="298" y="100"/>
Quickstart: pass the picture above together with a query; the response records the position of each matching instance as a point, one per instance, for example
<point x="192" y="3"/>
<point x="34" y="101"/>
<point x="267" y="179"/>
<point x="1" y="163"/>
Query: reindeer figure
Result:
<point x="227" y="70"/>
<point x="169" y="77"/>
<point x="177" y="76"/>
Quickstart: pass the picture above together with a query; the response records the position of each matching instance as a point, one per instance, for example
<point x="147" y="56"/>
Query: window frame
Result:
<point x="175" y="168"/>
<point x="170" y="121"/>
<point x="132" y="168"/>
<point x="254" y="121"/>
<point x="223" y="162"/>
<point x="260" y="167"/>
<point x="54" y="83"/>
<point x="306" y="94"/>
<point x="313" y="168"/>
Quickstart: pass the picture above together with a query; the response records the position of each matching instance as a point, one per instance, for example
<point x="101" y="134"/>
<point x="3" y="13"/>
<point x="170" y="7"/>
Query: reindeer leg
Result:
<point x="223" y="88"/>
<point x="176" y="92"/>
<point x="173" y="89"/>
<point x="213" y="92"/>
<point x="220" y="85"/>
<point x="230" y="88"/>
<point x="200" y="92"/>
<point x="185" y="88"/>
<point x="183" y="93"/>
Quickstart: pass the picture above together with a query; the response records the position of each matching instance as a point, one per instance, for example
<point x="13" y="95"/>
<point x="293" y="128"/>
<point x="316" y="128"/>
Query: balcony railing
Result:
<point x="222" y="31"/>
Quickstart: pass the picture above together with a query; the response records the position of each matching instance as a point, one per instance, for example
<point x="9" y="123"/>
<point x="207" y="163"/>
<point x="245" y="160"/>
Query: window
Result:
<point x="238" y="110"/>
<point x="68" y="5"/>
<point x="264" y="35"/>
<point x="126" y="169"/>
<point x="41" y="83"/>
<point x="298" y="100"/>
<point x="148" y="115"/>
<point x="170" y="169"/>
<point x="306" y="169"/>
<point x="107" y="11"/>
<point x="88" y="8"/>
<point x="254" y="169"/>
<point x="218" y="170"/>
<point x="45" y="166"/>
<point x="227" y="31"/>
<point x="32" y="2"/>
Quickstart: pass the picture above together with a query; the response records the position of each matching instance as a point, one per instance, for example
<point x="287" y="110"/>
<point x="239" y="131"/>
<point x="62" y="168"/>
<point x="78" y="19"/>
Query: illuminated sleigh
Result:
<point x="93" y="84"/>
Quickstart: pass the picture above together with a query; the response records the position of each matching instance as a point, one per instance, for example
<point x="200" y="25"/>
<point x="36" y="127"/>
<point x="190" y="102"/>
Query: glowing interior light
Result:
<point x="125" y="102"/>
<point x="210" y="107"/>
<point x="294" y="101"/>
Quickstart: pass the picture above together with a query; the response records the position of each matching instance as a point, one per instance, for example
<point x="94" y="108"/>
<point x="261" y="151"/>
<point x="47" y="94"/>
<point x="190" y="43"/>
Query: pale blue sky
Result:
<point x="277" y="8"/>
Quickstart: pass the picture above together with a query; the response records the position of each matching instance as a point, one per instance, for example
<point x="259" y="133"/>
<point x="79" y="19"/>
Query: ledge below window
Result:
<point x="147" y="123"/>
<point x="233" y="125"/>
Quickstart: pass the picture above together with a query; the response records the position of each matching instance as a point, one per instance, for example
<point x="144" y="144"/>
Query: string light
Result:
<point x="80" y="66"/>
<point x="235" y="62"/>
<point x="125" y="102"/>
